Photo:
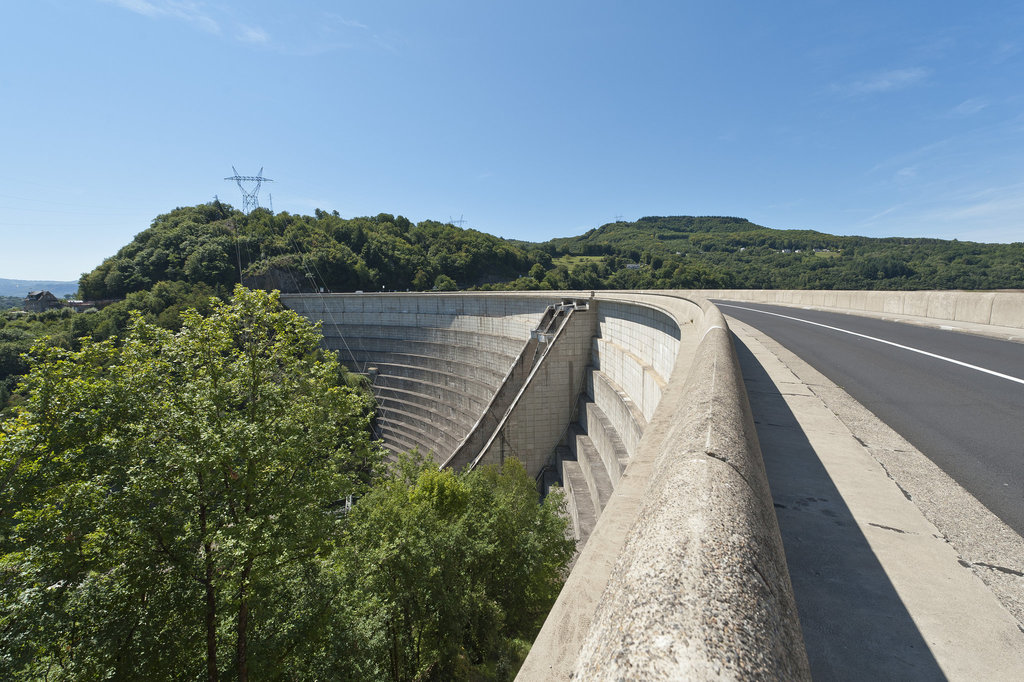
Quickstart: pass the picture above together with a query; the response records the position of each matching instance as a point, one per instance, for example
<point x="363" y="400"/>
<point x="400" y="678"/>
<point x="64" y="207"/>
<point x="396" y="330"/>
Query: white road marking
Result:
<point x="874" y="338"/>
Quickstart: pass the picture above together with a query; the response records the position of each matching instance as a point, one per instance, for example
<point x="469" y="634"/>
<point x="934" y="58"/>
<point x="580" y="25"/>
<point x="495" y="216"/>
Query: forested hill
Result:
<point x="684" y="251"/>
<point x="214" y="245"/>
<point x="661" y="234"/>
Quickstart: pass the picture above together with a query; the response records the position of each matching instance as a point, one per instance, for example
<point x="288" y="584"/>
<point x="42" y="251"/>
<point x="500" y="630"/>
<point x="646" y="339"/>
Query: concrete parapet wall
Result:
<point x="996" y="308"/>
<point x="684" y="575"/>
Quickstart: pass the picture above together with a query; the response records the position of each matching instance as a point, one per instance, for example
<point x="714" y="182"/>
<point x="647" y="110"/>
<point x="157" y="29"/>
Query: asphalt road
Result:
<point x="968" y="420"/>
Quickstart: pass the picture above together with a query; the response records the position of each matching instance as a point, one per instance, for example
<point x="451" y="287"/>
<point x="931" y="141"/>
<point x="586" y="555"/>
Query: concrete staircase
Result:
<point x="594" y="455"/>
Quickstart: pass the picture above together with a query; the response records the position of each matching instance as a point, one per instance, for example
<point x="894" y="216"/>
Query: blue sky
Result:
<point x="529" y="119"/>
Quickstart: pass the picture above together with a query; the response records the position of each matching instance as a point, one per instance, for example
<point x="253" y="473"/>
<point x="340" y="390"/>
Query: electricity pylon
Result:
<point x="250" y="199"/>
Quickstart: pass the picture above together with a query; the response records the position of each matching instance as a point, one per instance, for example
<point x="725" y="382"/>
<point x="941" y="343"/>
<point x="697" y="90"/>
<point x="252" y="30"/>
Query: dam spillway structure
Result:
<point x="633" y="401"/>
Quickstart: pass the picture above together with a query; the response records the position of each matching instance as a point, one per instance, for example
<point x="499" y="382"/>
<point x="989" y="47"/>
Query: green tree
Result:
<point x="451" y="575"/>
<point x="168" y="504"/>
<point x="445" y="283"/>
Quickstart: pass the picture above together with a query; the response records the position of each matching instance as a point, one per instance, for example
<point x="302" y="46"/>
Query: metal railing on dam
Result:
<point x="636" y="402"/>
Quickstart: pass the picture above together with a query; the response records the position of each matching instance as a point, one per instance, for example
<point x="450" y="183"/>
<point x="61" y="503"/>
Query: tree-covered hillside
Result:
<point x="681" y="252"/>
<point x="214" y="244"/>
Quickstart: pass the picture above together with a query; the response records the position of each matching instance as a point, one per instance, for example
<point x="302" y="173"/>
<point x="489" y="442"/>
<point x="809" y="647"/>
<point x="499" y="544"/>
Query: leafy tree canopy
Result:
<point x="168" y="503"/>
<point x="450" y="575"/>
<point x="175" y="505"/>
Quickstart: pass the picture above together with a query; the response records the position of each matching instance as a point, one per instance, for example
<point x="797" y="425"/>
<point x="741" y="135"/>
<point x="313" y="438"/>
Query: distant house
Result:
<point x="39" y="301"/>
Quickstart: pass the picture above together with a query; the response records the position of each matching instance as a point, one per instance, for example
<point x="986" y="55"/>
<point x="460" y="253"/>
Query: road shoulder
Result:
<point x="874" y="531"/>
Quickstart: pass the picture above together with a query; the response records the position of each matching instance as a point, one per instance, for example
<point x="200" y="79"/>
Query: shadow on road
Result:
<point x="854" y="624"/>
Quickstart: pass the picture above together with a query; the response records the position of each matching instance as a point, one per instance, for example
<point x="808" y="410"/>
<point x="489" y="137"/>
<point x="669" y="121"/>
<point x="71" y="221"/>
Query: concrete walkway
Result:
<point x="898" y="572"/>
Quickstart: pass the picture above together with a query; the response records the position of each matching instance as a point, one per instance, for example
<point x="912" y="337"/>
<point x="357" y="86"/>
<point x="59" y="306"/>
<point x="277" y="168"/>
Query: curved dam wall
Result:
<point x="634" y="402"/>
<point x="435" y="360"/>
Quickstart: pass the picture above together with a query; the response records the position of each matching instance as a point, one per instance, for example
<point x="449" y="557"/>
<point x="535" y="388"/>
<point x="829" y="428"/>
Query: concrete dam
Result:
<point x="635" y="403"/>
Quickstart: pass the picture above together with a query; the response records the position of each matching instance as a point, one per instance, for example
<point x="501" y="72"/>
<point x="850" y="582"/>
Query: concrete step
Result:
<point x="605" y="438"/>
<point x="459" y="412"/>
<point x="412" y="429"/>
<point x="368" y="349"/>
<point x="629" y="421"/>
<point x="437" y="414"/>
<point x="590" y="463"/>
<point x="579" y="502"/>
<point x="435" y="373"/>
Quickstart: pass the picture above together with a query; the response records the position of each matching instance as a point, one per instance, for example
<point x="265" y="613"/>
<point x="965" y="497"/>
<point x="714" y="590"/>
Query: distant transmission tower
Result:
<point x="458" y="223"/>
<point x="250" y="199"/>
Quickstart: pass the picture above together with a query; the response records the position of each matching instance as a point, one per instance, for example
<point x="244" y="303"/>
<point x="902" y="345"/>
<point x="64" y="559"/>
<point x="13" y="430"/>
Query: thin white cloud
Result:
<point x="994" y="202"/>
<point x="338" y="28"/>
<point x="314" y="34"/>
<point x="183" y="10"/>
<point x="884" y="81"/>
<point x="253" y="34"/>
<point x="969" y="107"/>
<point x="138" y="6"/>
<point x="913" y="157"/>
<point x="351" y="23"/>
<point x="882" y="214"/>
<point x="987" y="214"/>
<point x="1005" y="51"/>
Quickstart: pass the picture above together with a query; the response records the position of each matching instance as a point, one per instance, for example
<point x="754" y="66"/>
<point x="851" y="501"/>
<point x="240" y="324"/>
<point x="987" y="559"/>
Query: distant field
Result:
<point x="569" y="261"/>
